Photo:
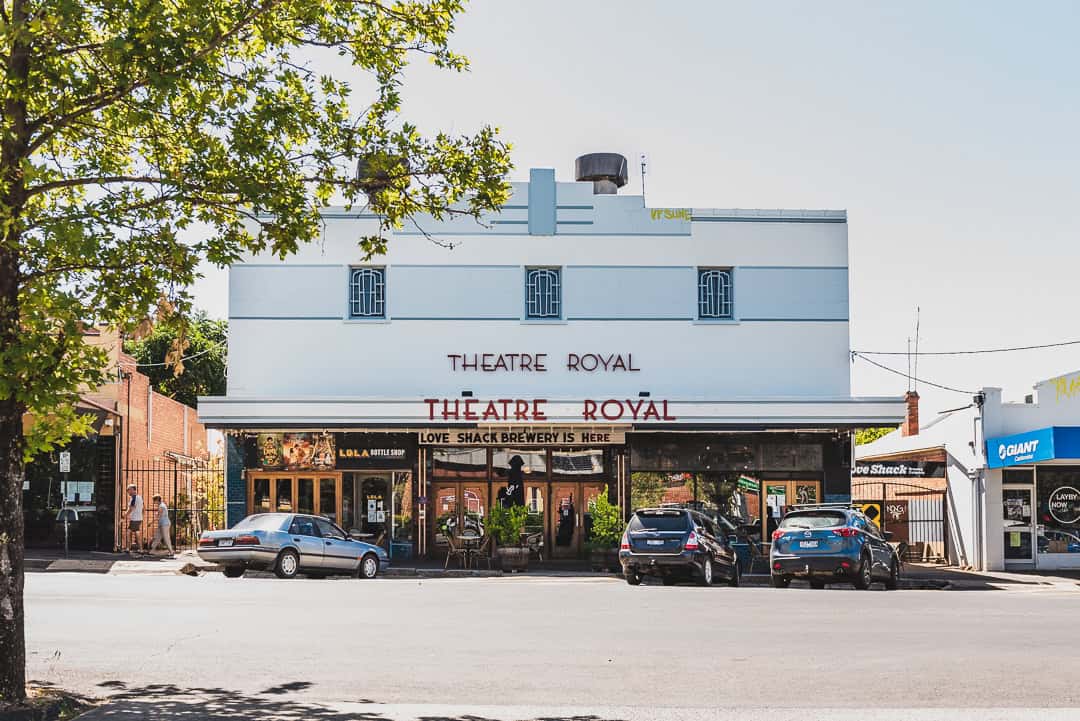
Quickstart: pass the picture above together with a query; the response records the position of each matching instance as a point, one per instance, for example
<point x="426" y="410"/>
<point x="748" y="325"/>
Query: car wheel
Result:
<point x="669" y="580"/>
<point x="706" y="578"/>
<point x="232" y="571"/>
<point x="894" y="576"/>
<point x="816" y="584"/>
<point x="780" y="581"/>
<point x="736" y="576"/>
<point x="369" y="567"/>
<point x="288" y="564"/>
<point x="633" y="578"/>
<point x="863" y="578"/>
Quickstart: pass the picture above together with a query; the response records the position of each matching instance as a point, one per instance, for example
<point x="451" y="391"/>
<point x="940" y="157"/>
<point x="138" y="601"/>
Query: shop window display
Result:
<point x="1058" y="492"/>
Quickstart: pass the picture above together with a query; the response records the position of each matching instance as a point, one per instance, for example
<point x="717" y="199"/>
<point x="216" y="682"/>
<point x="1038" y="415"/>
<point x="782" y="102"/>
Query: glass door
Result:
<point x="444" y="509"/>
<point x="565" y="519"/>
<point x="1018" y="525"/>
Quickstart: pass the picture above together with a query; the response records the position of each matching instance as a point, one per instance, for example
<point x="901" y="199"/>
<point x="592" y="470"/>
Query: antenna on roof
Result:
<point x="644" y="162"/>
<point x="915" y="375"/>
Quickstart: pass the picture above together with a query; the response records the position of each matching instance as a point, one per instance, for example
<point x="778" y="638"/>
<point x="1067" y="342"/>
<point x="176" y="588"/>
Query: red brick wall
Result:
<point x="172" y="426"/>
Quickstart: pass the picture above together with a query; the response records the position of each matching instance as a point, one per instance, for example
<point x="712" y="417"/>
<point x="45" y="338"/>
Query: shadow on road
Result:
<point x="168" y="702"/>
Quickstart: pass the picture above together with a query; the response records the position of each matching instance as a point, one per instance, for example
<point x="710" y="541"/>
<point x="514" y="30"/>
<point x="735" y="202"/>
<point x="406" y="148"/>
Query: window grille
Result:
<point x="714" y="293"/>
<point x="367" y="293"/>
<point x="543" y="293"/>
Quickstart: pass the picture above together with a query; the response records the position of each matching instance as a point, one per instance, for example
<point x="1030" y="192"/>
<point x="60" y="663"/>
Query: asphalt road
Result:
<point x="533" y="647"/>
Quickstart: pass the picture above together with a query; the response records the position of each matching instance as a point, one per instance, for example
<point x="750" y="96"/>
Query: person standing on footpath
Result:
<point x="134" y="517"/>
<point x="162" y="527"/>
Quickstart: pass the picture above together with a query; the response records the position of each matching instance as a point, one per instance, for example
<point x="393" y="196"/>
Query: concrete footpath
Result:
<point x="916" y="576"/>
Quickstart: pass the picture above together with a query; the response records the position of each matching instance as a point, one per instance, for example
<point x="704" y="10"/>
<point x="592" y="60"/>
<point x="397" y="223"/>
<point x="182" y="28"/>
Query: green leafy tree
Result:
<point x="607" y="523"/>
<point x="199" y="371"/>
<point x="128" y="126"/>
<point x="869" y="435"/>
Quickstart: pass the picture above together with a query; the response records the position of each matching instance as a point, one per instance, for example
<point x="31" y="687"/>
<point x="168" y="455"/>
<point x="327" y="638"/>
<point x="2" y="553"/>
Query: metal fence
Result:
<point x="913" y="514"/>
<point x="193" y="491"/>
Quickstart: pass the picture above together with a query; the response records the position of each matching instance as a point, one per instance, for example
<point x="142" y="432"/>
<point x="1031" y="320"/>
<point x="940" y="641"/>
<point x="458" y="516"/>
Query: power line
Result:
<point x="902" y="374"/>
<point x="971" y="352"/>
<point x="185" y="358"/>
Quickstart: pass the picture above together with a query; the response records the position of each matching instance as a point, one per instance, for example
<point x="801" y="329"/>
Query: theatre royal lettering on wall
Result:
<point x="534" y="410"/>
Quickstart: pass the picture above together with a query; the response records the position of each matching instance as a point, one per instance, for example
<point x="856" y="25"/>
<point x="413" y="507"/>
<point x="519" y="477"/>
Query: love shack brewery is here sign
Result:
<point x="533" y="410"/>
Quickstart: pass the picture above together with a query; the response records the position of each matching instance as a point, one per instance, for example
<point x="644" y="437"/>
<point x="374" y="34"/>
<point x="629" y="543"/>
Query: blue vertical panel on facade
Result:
<point x="542" y="201"/>
<point x="235" y="488"/>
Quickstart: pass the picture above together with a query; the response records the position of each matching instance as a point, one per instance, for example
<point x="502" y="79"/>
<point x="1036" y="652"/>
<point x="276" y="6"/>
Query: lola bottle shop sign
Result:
<point x="535" y="410"/>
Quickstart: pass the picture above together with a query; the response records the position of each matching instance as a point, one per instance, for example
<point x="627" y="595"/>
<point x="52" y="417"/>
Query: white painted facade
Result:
<point x="629" y="279"/>
<point x="975" y="488"/>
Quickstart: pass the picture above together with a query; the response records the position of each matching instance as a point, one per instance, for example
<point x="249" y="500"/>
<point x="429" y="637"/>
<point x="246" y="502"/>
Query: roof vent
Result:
<point x="607" y="171"/>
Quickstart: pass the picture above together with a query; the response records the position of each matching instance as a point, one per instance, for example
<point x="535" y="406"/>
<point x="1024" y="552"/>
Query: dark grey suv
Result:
<point x="676" y="544"/>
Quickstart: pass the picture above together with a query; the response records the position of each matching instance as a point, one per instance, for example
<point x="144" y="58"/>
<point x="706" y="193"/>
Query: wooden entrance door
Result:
<point x="779" y="496"/>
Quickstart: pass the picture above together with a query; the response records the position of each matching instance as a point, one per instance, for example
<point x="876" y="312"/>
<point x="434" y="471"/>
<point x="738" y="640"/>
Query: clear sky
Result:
<point x="947" y="130"/>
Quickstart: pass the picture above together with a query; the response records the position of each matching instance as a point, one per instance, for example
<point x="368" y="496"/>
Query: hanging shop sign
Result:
<point x="540" y="436"/>
<point x="295" y="451"/>
<point x="900" y="469"/>
<point x="374" y="450"/>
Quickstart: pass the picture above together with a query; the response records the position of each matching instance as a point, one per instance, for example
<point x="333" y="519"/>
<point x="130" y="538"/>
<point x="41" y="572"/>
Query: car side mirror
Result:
<point x="887" y="534"/>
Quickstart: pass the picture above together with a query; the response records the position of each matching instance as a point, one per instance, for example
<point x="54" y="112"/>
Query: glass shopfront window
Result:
<point x="260" y="495"/>
<point x="1058" y="503"/>
<point x="284" y="495"/>
<point x="586" y="464"/>
<point x="461" y="463"/>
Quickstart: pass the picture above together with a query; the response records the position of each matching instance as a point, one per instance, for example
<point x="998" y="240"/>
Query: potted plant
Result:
<point x="506" y="525"/>
<point x="605" y="533"/>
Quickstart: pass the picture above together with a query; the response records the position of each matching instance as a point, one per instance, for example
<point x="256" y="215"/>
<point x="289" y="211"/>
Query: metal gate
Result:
<point x="913" y="514"/>
<point x="192" y="489"/>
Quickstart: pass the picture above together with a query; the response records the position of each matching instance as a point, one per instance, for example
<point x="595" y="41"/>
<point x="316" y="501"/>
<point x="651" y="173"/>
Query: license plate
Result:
<point x="655" y="543"/>
<point x="224" y="542"/>
<point x="808" y="544"/>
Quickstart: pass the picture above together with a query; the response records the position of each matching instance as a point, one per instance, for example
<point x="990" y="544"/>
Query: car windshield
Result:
<point x="261" y="522"/>
<point x="658" y="521"/>
<point x="814" y="519"/>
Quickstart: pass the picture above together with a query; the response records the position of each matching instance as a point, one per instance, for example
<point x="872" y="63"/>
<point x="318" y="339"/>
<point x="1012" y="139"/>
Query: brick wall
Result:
<point x="155" y="424"/>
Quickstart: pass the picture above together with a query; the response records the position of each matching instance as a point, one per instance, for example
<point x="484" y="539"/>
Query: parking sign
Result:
<point x="65" y="461"/>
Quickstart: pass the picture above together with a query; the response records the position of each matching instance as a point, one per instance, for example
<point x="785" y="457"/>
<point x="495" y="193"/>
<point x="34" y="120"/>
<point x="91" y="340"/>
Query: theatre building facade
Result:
<point x="575" y="344"/>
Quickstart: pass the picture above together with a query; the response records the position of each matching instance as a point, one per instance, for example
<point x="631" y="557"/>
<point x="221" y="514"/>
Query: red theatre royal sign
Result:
<point x="518" y="409"/>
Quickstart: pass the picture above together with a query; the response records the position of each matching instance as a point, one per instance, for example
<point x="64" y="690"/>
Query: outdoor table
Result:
<point x="362" y="536"/>
<point x="469" y="544"/>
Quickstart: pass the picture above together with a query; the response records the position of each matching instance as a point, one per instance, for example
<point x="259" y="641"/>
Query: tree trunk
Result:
<point x="13" y="150"/>
<point x="12" y="639"/>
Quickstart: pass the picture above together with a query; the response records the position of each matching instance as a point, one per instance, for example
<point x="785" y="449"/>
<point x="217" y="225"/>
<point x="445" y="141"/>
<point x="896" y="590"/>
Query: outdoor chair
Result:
<point x="485" y="551"/>
<point x="535" y="542"/>
<point x="453" y="551"/>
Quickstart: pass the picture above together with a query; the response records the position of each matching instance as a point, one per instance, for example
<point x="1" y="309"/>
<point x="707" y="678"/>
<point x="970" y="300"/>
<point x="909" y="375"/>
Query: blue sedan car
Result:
<point x="830" y="543"/>
<point x="290" y="544"/>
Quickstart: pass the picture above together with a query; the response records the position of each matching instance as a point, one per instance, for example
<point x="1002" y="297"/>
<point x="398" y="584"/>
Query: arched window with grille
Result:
<point x="367" y="293"/>
<point x="543" y="293"/>
<point x="714" y="293"/>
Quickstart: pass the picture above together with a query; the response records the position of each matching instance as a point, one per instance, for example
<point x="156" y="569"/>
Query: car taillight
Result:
<point x="246" y="541"/>
<point x="207" y="541"/>
<point x="624" y="545"/>
<point x="846" y="532"/>
<point x="777" y="534"/>
<point x="691" y="542"/>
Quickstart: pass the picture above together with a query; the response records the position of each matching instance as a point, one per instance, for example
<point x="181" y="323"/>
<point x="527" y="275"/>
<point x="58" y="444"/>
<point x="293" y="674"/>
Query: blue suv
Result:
<point x="831" y="543"/>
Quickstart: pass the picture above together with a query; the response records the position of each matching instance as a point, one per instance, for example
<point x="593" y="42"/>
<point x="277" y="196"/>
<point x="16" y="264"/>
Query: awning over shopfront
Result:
<point x="1044" y="444"/>
<point x="640" y="413"/>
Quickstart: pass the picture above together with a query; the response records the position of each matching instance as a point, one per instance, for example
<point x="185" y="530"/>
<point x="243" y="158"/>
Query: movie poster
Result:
<point x="296" y="451"/>
<point x="270" y="455"/>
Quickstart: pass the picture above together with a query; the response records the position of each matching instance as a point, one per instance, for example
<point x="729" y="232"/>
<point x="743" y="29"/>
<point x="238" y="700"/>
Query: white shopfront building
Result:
<point x="575" y="319"/>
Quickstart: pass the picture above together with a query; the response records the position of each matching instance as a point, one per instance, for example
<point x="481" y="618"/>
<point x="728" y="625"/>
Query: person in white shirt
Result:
<point x="134" y="517"/>
<point x="162" y="527"/>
